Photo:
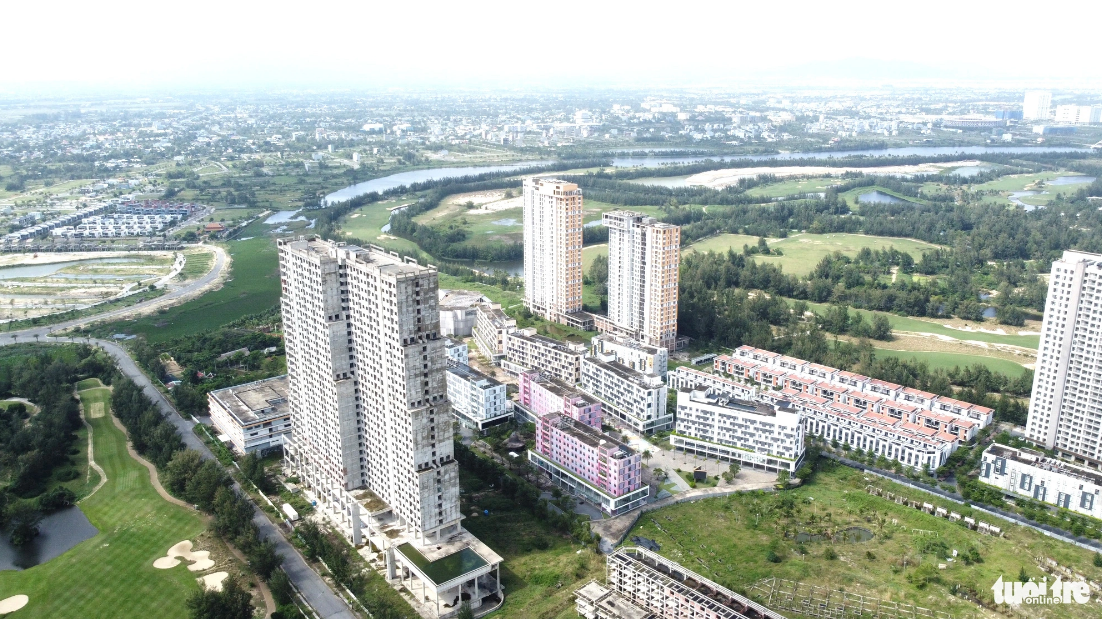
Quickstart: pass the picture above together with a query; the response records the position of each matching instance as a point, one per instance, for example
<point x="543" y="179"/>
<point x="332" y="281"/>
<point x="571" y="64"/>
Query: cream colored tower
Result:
<point x="552" y="248"/>
<point x="643" y="260"/>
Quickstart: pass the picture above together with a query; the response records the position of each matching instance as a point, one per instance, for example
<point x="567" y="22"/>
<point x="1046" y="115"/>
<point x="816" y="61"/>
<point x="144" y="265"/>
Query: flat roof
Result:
<point x="587" y="434"/>
<point x="635" y="376"/>
<point x="466" y="371"/>
<point x="256" y="401"/>
<point x="446" y="568"/>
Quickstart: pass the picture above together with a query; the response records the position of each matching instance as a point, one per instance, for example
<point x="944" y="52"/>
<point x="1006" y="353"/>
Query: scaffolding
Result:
<point x="823" y="603"/>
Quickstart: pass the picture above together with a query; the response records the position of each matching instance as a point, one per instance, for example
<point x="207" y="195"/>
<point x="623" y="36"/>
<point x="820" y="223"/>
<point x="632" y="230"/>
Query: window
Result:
<point x="1087" y="501"/>
<point x="1026" y="482"/>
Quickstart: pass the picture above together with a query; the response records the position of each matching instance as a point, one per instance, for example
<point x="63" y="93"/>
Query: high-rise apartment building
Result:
<point x="371" y="424"/>
<point x="1037" y="105"/>
<point x="1065" y="410"/>
<point x="643" y="259"/>
<point x="367" y="385"/>
<point x="553" y="250"/>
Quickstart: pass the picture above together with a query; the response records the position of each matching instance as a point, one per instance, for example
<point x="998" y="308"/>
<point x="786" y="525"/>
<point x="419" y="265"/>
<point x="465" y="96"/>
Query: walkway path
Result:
<point x="153" y="476"/>
<point x="92" y="455"/>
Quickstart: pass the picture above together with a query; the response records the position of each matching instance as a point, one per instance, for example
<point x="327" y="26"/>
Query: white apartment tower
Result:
<point x="1065" y="411"/>
<point x="552" y="248"/>
<point x="368" y="394"/>
<point x="1037" y="105"/>
<point x="643" y="260"/>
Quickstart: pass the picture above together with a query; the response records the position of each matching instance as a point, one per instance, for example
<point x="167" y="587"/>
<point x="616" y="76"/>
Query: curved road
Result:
<point x="220" y="260"/>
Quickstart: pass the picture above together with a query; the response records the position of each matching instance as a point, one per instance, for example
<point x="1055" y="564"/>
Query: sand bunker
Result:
<point x="96" y="410"/>
<point x="200" y="560"/>
<point x="15" y="602"/>
<point x="213" y="581"/>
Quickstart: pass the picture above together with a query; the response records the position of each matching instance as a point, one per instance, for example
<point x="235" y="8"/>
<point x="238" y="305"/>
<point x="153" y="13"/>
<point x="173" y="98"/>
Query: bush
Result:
<point x="829" y="554"/>
<point x="772" y="557"/>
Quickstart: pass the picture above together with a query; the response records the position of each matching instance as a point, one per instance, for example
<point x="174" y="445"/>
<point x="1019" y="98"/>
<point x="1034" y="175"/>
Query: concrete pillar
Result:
<point x="389" y="563"/>
<point x="357" y="535"/>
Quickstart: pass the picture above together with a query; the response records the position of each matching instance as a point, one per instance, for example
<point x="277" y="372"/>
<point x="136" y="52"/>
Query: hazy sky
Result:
<point x="371" y="44"/>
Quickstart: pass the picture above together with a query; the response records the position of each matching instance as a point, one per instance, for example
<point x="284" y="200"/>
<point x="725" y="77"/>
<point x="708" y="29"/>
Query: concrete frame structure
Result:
<point x="659" y="588"/>
<point x="459" y="312"/>
<point x="643" y="259"/>
<point x="552" y="248"/>
<point x="757" y="435"/>
<point x="526" y="350"/>
<point x="632" y="353"/>
<point x="1029" y="473"/>
<point x="589" y="464"/>
<point x="490" y="328"/>
<point x="255" y="416"/>
<point x="478" y="401"/>
<point x="539" y="395"/>
<point x="1065" y="411"/>
<point x="635" y="399"/>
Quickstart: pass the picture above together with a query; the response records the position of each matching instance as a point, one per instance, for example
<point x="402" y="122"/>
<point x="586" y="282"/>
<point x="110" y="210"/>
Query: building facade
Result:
<point x="255" y="416"/>
<point x="754" y="434"/>
<point x="589" y="464"/>
<point x="1065" y="410"/>
<point x="540" y="395"/>
<point x="643" y="259"/>
<point x="477" y="400"/>
<point x="490" y="328"/>
<point x="1029" y="473"/>
<point x="456" y="351"/>
<point x="552" y="248"/>
<point x="1037" y="105"/>
<point x="635" y="399"/>
<point x="367" y="387"/>
<point x="634" y="354"/>
<point x="527" y="350"/>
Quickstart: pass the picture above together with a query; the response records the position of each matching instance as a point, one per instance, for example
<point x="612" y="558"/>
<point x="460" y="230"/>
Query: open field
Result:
<point x="112" y="574"/>
<point x="542" y="567"/>
<point x="253" y="286"/>
<point x="793" y="187"/>
<point x="803" y="251"/>
<point x="590" y="253"/>
<point x="367" y="221"/>
<point x="948" y="361"/>
<point x="1018" y="182"/>
<point x="729" y="540"/>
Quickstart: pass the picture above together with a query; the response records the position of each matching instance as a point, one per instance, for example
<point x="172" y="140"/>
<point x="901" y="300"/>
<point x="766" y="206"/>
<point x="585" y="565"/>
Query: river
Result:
<point x="906" y="151"/>
<point x="418" y="176"/>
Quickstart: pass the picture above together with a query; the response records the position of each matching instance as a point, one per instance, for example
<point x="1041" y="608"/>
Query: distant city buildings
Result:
<point x="1065" y="410"/>
<point x="1079" y="114"/>
<point x="1037" y="105"/>
<point x="643" y="259"/>
<point x="553" y="251"/>
<point x="254" y="417"/>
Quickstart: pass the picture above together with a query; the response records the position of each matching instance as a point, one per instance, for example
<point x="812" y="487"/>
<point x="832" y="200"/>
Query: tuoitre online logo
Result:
<point x="1060" y="592"/>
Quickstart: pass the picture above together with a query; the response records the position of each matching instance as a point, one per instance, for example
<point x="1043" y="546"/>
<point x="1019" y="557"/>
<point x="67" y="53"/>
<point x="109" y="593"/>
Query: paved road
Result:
<point x="325" y="602"/>
<point x="220" y="259"/>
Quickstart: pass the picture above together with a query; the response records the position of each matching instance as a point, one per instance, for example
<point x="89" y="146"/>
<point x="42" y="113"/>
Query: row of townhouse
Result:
<point x="113" y="226"/>
<point x="1032" y="474"/>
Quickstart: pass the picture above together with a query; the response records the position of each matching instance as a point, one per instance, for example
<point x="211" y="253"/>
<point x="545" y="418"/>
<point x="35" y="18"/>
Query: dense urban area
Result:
<point x="613" y="353"/>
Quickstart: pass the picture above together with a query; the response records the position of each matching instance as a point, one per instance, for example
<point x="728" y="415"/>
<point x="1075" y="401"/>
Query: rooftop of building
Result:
<point x="1042" y="461"/>
<point x="562" y="389"/>
<point x="588" y="435"/>
<point x="623" y="372"/>
<point x="256" y="401"/>
<point x="465" y="371"/>
<point x="531" y="335"/>
<point x="459" y="299"/>
<point x="612" y="604"/>
<point x="627" y="343"/>
<point x="705" y="396"/>
<point x="389" y="262"/>
<point x="495" y="314"/>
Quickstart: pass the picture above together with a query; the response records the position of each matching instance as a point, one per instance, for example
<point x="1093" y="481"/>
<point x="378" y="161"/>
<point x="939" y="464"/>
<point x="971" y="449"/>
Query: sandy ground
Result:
<point x="213" y="581"/>
<point x="12" y="604"/>
<point x="7" y="260"/>
<point x="718" y="179"/>
<point x="200" y="559"/>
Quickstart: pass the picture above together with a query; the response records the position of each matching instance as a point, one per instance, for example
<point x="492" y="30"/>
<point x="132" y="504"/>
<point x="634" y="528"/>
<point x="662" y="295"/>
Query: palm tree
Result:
<point x="646" y="455"/>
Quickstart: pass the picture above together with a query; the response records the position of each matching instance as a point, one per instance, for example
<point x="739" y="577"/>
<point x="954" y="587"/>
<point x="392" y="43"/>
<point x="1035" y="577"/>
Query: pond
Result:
<point x="42" y="270"/>
<point x="1015" y="197"/>
<point x="970" y="170"/>
<point x="60" y="531"/>
<point x="879" y="197"/>
<point x="509" y="221"/>
<point x="1071" y="180"/>
<point x="852" y="535"/>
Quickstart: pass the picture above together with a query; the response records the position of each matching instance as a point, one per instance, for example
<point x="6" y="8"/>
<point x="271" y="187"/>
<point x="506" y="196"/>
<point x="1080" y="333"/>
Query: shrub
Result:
<point x="829" y="554"/>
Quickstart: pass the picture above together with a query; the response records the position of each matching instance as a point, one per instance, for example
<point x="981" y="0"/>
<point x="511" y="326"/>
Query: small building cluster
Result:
<point x="254" y="417"/>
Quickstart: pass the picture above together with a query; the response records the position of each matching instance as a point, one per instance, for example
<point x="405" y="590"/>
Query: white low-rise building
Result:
<point x="1029" y="473"/>
<point x="526" y="350"/>
<point x="255" y="416"/>
<point x="490" y="328"/>
<point x="635" y="398"/>
<point x="478" y="401"/>
<point x="755" y="434"/>
<point x="456" y="351"/>
<point x="636" y="355"/>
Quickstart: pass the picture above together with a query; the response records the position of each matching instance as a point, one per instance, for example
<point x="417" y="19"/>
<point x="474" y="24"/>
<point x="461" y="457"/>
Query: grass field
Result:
<point x="1018" y="182"/>
<point x="197" y="264"/>
<point x="367" y="221"/>
<point x="793" y="187"/>
<point x="728" y="540"/>
<point x="803" y="251"/>
<point x="542" y="567"/>
<point x="947" y="361"/>
<point x="112" y="574"/>
<point x="253" y="286"/>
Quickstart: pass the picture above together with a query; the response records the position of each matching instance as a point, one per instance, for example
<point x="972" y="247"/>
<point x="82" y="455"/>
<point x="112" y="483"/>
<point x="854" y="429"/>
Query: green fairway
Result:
<point x="803" y="251"/>
<point x="948" y="360"/>
<point x="366" y="224"/>
<point x="589" y="254"/>
<point x="253" y="286"/>
<point x="1018" y="182"/>
<point x="793" y="187"/>
<point x="740" y="540"/>
<point x="112" y="574"/>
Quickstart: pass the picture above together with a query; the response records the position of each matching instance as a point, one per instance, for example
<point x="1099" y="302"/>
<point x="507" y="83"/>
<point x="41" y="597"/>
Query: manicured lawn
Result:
<point x="366" y="224"/>
<point x="1018" y="182"/>
<point x="589" y="254"/>
<point x="723" y="242"/>
<point x="112" y="574"/>
<point x="253" y="286"/>
<point x="947" y="360"/>
<point x="793" y="187"/>
<point x="728" y="540"/>
<point x="803" y="251"/>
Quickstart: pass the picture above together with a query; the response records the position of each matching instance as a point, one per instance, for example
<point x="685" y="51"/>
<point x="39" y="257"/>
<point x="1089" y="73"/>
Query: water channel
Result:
<point x="43" y="270"/>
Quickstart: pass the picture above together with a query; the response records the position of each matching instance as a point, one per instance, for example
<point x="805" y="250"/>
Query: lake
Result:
<point x="42" y="270"/>
<point x="969" y="170"/>
<point x="60" y="531"/>
<point x="925" y="151"/>
<point x="418" y="176"/>
<point x="879" y="197"/>
<point x="1071" y="180"/>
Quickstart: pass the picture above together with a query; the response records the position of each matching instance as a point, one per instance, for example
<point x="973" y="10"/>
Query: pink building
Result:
<point x="540" y="396"/>
<point x="589" y="463"/>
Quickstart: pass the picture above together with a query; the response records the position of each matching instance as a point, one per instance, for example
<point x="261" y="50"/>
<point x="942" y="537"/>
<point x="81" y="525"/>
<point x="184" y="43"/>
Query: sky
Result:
<point x="366" y="44"/>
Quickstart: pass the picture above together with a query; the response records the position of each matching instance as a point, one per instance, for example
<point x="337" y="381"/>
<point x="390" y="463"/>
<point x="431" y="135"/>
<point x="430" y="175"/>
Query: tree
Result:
<point x="646" y="455"/>
<point x="280" y="586"/>
<point x="232" y="602"/>
<point x="465" y="611"/>
<point x="24" y="524"/>
<point x="783" y="478"/>
<point x="264" y="559"/>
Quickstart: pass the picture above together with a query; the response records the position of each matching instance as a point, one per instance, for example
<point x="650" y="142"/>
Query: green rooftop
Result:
<point x="442" y="570"/>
